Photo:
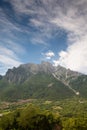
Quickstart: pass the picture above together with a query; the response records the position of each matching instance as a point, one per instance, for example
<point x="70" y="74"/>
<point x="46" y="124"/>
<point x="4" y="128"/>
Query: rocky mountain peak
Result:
<point x="66" y="74"/>
<point x="24" y="71"/>
<point x="42" y="80"/>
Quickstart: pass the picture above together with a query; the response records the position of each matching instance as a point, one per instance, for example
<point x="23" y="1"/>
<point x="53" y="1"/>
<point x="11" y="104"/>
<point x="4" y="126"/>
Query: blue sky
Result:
<point x="49" y="30"/>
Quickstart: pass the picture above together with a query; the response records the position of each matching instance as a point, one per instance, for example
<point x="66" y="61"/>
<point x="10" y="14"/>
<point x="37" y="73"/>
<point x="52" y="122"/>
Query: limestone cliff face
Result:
<point x="23" y="72"/>
<point x="42" y="81"/>
<point x="66" y="75"/>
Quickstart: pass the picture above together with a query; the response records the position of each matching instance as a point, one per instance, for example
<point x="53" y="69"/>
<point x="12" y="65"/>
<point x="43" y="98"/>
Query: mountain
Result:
<point x="66" y="74"/>
<point x="42" y="81"/>
<point x="1" y="77"/>
<point x="25" y="71"/>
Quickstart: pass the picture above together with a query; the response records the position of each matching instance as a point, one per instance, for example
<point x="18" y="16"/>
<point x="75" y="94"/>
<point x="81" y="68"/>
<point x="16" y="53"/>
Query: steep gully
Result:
<point x="67" y="84"/>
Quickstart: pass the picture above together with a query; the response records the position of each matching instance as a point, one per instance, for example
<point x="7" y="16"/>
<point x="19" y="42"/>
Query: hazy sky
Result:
<point x="49" y="30"/>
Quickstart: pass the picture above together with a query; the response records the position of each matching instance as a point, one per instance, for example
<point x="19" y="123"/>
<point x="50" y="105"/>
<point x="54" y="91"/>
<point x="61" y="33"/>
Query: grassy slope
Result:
<point x="38" y="86"/>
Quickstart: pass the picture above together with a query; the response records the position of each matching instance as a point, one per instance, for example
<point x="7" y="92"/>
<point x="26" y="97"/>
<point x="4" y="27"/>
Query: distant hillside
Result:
<point x="42" y="81"/>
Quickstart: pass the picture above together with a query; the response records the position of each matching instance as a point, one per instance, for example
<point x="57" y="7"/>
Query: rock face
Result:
<point x="26" y="70"/>
<point x="42" y="81"/>
<point x="66" y="73"/>
<point x="37" y="68"/>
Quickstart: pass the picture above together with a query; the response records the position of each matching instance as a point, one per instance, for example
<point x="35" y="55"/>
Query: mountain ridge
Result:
<point x="43" y="81"/>
<point x="30" y="69"/>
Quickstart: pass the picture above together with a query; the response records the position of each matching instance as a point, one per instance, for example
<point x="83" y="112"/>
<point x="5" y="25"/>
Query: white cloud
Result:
<point x="74" y="23"/>
<point x="7" y="25"/>
<point x="38" y="16"/>
<point x="8" y="59"/>
<point x="10" y="50"/>
<point x="36" y="22"/>
<point x="68" y="15"/>
<point x="48" y="55"/>
<point x="75" y="57"/>
<point x="38" y="40"/>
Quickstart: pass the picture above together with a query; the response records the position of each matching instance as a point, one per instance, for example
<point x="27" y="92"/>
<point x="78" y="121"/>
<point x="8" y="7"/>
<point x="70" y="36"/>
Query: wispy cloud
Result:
<point x="7" y="26"/>
<point x="9" y="47"/>
<point x="38" y="15"/>
<point x="47" y="17"/>
<point x="38" y="40"/>
<point x="8" y="59"/>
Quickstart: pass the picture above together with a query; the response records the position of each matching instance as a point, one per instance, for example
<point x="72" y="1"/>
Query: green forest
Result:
<point x="46" y="115"/>
<point x="30" y="118"/>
